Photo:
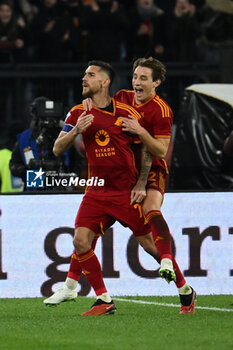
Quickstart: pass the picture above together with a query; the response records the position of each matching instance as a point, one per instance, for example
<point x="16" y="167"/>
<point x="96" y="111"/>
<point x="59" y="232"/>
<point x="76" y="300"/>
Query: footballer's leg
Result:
<point x="88" y="227"/>
<point x="68" y="291"/>
<point x="186" y="293"/>
<point x="162" y="238"/>
<point x="90" y="265"/>
<point x="160" y="231"/>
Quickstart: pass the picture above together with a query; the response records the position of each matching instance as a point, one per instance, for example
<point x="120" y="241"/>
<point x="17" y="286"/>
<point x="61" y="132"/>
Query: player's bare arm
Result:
<point x="156" y="146"/>
<point x="138" y="193"/>
<point x="66" y="140"/>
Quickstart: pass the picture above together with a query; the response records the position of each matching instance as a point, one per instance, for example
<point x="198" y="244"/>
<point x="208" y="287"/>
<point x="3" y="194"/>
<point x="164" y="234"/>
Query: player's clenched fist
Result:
<point x="84" y="121"/>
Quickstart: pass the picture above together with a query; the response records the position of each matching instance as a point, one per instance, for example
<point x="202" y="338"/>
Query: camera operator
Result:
<point x="33" y="151"/>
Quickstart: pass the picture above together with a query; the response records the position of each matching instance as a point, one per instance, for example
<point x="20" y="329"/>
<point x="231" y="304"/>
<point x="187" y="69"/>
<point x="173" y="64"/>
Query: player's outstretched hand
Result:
<point x="138" y="193"/>
<point x="84" y="121"/>
<point x="87" y="104"/>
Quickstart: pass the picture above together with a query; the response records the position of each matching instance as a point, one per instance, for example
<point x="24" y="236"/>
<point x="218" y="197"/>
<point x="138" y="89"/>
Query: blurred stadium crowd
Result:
<point x="78" y="30"/>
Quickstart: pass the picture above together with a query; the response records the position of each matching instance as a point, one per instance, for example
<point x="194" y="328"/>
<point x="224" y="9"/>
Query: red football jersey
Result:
<point x="108" y="149"/>
<point x="157" y="119"/>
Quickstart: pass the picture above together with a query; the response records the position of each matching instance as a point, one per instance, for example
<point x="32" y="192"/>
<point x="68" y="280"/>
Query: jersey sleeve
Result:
<point x="163" y="129"/>
<point x="117" y="96"/>
<point x="120" y="96"/>
<point x="124" y="96"/>
<point x="161" y="122"/>
<point x="71" y="118"/>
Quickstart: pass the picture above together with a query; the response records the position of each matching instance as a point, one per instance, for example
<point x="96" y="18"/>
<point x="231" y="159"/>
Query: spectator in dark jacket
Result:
<point x="52" y="29"/>
<point x="145" y="36"/>
<point x="13" y="34"/>
<point x="26" y="9"/>
<point x="181" y="31"/>
<point x="106" y="25"/>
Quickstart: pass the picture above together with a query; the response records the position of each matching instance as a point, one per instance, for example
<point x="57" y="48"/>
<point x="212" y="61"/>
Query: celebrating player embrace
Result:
<point x="107" y="131"/>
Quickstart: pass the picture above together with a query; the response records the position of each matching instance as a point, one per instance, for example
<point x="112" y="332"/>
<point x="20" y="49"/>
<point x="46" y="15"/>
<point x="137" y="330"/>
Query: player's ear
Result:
<point x="106" y="82"/>
<point x="156" y="83"/>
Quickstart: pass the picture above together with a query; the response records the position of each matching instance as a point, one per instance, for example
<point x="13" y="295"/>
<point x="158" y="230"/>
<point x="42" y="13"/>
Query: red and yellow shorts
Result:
<point x="157" y="180"/>
<point x="99" y="214"/>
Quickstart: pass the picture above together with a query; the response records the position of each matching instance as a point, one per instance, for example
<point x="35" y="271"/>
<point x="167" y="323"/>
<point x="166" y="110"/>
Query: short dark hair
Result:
<point x="106" y="67"/>
<point x="158" y="68"/>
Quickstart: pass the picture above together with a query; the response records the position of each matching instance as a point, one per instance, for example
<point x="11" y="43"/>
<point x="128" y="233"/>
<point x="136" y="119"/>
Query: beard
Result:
<point x="87" y="93"/>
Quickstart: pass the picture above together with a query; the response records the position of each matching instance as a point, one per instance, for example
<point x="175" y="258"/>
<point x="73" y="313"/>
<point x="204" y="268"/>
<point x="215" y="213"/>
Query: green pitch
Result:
<point x="27" y="324"/>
